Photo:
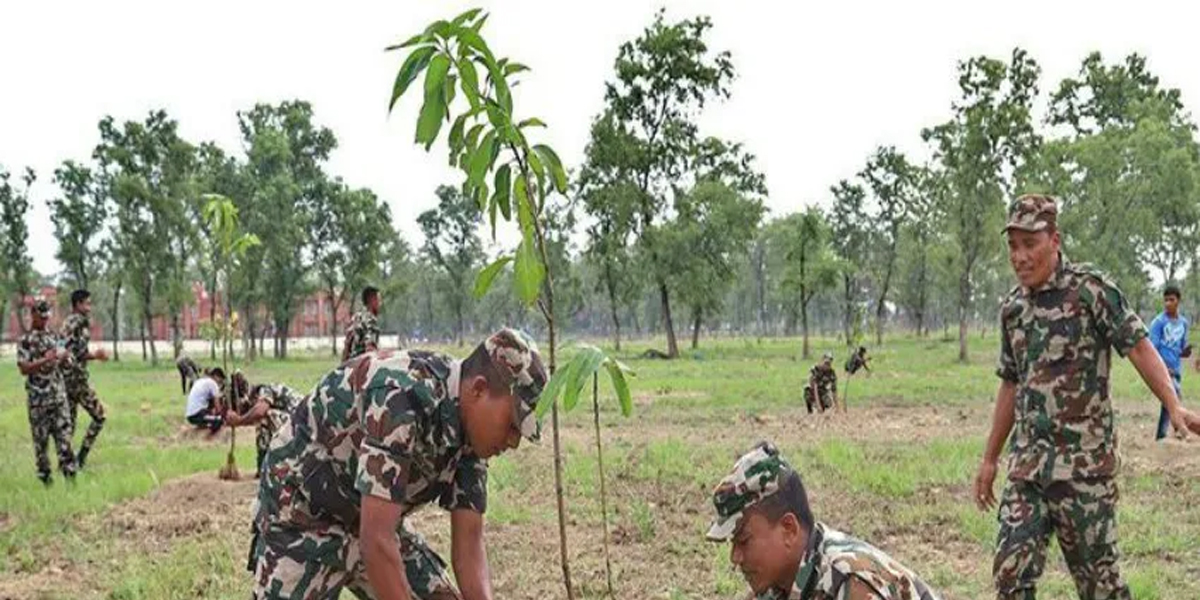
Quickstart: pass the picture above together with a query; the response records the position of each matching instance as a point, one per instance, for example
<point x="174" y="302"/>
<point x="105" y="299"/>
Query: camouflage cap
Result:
<point x="1032" y="212"/>
<point x="827" y="356"/>
<point x="42" y="309"/>
<point x="756" y="475"/>
<point x="515" y="353"/>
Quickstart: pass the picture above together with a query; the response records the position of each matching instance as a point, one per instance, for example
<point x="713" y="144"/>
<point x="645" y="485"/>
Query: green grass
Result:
<point x="896" y="471"/>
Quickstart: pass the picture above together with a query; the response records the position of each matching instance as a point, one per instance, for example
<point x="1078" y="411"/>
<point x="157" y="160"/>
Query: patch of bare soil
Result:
<point x="193" y="506"/>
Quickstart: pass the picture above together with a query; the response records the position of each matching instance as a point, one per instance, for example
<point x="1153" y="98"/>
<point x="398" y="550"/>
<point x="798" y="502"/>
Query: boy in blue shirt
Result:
<point x="1169" y="334"/>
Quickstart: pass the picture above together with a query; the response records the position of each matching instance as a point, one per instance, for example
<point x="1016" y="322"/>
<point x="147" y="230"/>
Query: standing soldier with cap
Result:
<point x="1058" y="328"/>
<point x="822" y="385"/>
<point x="363" y="334"/>
<point x="77" y="333"/>
<point x="39" y="359"/>
<point x="379" y="437"/>
<point x="785" y="554"/>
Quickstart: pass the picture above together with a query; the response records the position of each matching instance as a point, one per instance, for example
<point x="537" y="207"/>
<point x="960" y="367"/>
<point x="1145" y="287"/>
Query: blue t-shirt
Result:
<point x="1169" y="336"/>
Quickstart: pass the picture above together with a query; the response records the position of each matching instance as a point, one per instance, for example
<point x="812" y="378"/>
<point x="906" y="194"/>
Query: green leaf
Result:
<point x="589" y="358"/>
<point x="440" y="27"/>
<point x="553" y="388"/>
<point x="471" y="38"/>
<point x="531" y="122"/>
<point x="470" y="81"/>
<point x="430" y="120"/>
<point x="456" y="137"/>
<point x="503" y="187"/>
<point x="512" y="68"/>
<point x="620" y="386"/>
<point x="556" y="169"/>
<point x="482" y="158"/>
<point x="529" y="270"/>
<point x="479" y="24"/>
<point x="524" y="208"/>
<point x="503" y="96"/>
<point x="412" y="41"/>
<point x="535" y="165"/>
<point x="483" y="282"/>
<point x="413" y="65"/>
<point x="467" y="16"/>
<point x="473" y="137"/>
<point x="448" y="92"/>
<point x="435" y="77"/>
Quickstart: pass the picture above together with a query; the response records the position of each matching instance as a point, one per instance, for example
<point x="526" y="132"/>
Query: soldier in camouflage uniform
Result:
<point x="822" y="385"/>
<point x="785" y="554"/>
<point x="268" y="407"/>
<point x="363" y="333"/>
<point x="1058" y="328"/>
<point x="39" y="358"/>
<point x="381" y="436"/>
<point x="77" y="333"/>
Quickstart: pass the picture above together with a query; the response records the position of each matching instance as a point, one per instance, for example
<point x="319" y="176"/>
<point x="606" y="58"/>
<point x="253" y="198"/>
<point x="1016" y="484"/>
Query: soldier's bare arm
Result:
<point x="380" y="551"/>
<point x="468" y="554"/>
<point x="1002" y="423"/>
<point x="257" y="413"/>
<point x="1154" y="372"/>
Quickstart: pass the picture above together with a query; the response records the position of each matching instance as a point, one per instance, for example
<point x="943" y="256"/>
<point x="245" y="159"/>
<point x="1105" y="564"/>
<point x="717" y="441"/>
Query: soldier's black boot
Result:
<point x="81" y="458"/>
<point x="46" y="479"/>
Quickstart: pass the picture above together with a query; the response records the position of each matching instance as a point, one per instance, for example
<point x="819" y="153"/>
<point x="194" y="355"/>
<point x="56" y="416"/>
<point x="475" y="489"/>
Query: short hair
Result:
<point x="78" y="296"/>
<point x="1172" y="289"/>
<point x="217" y="372"/>
<point x="480" y="363"/>
<point x="368" y="293"/>
<point x="790" y="499"/>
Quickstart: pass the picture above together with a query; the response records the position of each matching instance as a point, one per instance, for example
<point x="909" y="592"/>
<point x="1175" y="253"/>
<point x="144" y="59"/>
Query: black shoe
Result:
<point x="81" y="458"/>
<point x="46" y="480"/>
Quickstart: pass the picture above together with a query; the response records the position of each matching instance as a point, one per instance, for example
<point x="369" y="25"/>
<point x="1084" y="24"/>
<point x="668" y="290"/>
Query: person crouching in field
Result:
<point x="204" y="408"/>
<point x="821" y="390"/>
<point x="267" y="406"/>
<point x="1058" y="329"/>
<point x="785" y="553"/>
<point x="379" y="437"/>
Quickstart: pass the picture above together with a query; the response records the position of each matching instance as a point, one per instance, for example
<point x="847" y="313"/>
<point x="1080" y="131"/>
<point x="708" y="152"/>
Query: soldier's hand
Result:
<point x="101" y="355"/>
<point x="1185" y="421"/>
<point x="985" y="499"/>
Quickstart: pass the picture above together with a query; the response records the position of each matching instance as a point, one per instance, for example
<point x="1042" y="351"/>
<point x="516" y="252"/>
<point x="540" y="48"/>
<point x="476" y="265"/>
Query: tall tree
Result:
<point x="713" y="228"/>
<point x="806" y="265"/>
<point x="890" y="177"/>
<point x="78" y="216"/>
<point x="981" y="148"/>
<point x="18" y="276"/>
<point x="329" y="236"/>
<point x="452" y="243"/>
<point x="285" y="154"/>
<point x="917" y="237"/>
<point x="663" y="79"/>
<point x="850" y="236"/>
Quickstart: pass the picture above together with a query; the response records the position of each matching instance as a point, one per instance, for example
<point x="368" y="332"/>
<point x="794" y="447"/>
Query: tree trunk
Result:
<point x="672" y="345"/>
<point x="458" y="331"/>
<point x="881" y="306"/>
<point x="804" y="319"/>
<point x="142" y="331"/>
<point x="212" y="313"/>
<point x="697" y="317"/>
<point x="19" y="311"/>
<point x="760" y="280"/>
<point x="176" y="335"/>
<point x="964" y="301"/>
<point x="333" y="338"/>
<point x="116" y="323"/>
<point x="3" y="313"/>
<point x="610" y="285"/>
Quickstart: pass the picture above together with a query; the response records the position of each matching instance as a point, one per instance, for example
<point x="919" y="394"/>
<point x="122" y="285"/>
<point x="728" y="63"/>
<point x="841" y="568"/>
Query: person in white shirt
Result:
<point x="203" y="403"/>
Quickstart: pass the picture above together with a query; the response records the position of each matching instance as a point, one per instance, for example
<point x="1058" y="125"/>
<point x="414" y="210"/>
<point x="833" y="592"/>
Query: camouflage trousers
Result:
<point x="50" y="418"/>
<point x="1081" y="514"/>
<point x="80" y="393"/>
<point x="824" y="404"/>
<point x="294" y="564"/>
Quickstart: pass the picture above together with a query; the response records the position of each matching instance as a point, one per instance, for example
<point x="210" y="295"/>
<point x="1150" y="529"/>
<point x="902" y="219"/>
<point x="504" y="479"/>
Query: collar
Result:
<point x="451" y="408"/>
<point x="807" y="577"/>
<point x="1056" y="278"/>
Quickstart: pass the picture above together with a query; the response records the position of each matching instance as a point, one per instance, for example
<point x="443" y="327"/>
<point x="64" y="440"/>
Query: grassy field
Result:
<point x="149" y="520"/>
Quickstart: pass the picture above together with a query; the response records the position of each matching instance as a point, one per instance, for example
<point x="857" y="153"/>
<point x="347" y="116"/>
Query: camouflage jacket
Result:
<point x="281" y="400"/>
<point x="363" y="331"/>
<point x="825" y="380"/>
<point x="839" y="567"/>
<point x="386" y="424"/>
<point x="77" y="333"/>
<point x="33" y="346"/>
<point x="1056" y="346"/>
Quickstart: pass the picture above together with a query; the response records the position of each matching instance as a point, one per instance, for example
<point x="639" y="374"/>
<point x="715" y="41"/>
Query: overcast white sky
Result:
<point x="819" y="84"/>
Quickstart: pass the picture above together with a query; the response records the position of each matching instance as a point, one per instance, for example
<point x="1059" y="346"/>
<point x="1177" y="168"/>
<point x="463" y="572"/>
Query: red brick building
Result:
<point x="312" y="320"/>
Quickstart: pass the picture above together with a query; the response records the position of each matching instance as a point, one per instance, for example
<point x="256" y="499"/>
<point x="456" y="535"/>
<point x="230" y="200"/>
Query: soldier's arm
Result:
<point x="380" y="552"/>
<point x="28" y="364"/>
<point x="257" y="413"/>
<point x="469" y="555"/>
